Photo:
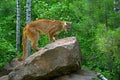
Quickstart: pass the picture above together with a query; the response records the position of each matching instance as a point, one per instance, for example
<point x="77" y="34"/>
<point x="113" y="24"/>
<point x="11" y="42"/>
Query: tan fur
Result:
<point x="32" y="30"/>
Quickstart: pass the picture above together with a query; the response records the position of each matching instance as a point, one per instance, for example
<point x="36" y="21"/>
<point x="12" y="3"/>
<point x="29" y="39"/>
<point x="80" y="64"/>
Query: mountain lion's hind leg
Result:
<point x="34" y="41"/>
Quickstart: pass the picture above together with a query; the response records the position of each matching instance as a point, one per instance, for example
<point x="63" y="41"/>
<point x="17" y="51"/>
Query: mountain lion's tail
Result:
<point x="24" y="44"/>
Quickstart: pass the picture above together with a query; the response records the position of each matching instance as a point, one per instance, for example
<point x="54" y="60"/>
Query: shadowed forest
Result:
<point x="95" y="23"/>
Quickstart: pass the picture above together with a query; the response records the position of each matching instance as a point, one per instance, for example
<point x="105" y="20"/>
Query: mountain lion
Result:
<point x="32" y="30"/>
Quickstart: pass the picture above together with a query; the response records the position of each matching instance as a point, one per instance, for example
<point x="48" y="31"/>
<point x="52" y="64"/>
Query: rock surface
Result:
<point x="3" y="72"/>
<point x="11" y="65"/>
<point x="4" y="77"/>
<point x="58" y="58"/>
<point x="79" y="75"/>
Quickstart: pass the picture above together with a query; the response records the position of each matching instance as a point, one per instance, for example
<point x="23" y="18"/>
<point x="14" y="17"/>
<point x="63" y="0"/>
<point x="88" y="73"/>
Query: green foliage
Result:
<point x="7" y="31"/>
<point x="94" y="23"/>
<point x="7" y="51"/>
<point x="46" y="10"/>
<point x="7" y="20"/>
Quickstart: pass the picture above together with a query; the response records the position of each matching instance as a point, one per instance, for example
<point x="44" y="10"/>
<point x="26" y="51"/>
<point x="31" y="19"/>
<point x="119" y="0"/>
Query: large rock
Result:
<point x="58" y="58"/>
<point x="79" y="75"/>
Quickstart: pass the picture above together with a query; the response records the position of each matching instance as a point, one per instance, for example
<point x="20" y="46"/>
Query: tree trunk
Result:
<point x="18" y="27"/>
<point x="28" y="19"/>
<point x="116" y="6"/>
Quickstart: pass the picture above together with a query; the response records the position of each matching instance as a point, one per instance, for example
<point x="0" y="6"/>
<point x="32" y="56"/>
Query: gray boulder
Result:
<point x="78" y="75"/>
<point x="58" y="58"/>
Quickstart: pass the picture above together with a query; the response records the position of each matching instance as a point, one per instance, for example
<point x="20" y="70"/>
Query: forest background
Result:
<point x="95" y="23"/>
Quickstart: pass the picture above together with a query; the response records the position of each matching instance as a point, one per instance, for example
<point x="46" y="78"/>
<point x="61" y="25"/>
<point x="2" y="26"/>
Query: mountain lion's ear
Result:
<point x="65" y="23"/>
<point x="68" y="22"/>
